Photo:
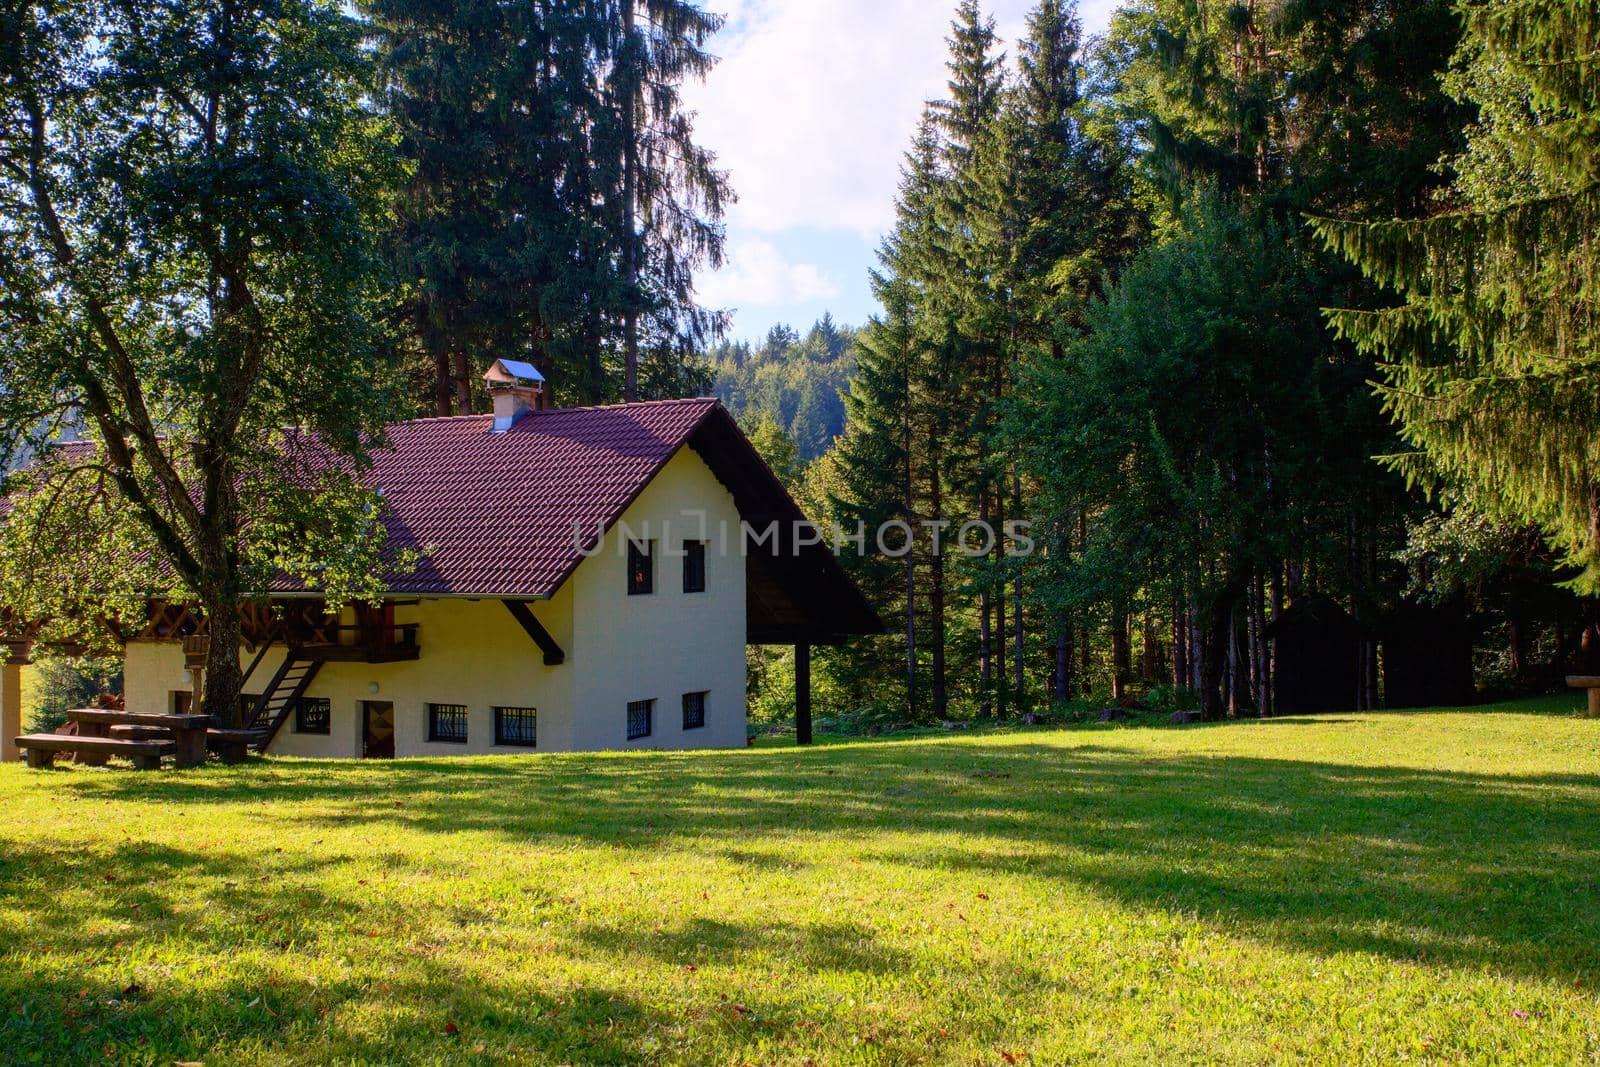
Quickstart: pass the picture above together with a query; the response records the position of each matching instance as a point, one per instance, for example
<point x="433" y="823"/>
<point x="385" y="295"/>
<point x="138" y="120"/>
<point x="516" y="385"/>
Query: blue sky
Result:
<point x="810" y="110"/>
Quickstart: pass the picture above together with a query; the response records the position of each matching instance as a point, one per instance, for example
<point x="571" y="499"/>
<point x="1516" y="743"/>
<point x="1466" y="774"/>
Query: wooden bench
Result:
<point x="233" y="746"/>
<point x="42" y="749"/>
<point x="188" y="731"/>
<point x="1591" y="682"/>
<point x="125" y="732"/>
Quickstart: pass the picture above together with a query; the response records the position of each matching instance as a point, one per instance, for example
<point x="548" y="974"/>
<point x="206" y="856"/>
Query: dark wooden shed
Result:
<point x="1427" y="656"/>
<point x="1319" y="657"/>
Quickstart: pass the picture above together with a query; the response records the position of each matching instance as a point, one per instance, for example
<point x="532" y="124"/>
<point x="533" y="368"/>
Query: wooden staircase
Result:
<point x="278" y="701"/>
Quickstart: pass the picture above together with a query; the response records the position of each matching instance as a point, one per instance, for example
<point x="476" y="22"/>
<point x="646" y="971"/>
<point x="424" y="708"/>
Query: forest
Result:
<point x="1274" y="321"/>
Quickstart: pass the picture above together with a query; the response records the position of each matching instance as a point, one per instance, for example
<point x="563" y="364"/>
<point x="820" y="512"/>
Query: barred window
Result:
<point x="641" y="568"/>
<point x="694" y="711"/>
<point x="247" y="705"/>
<point x="694" y="566"/>
<point x="640" y="714"/>
<point x="313" y="715"/>
<point x="516" y="726"/>
<point x="447" y="722"/>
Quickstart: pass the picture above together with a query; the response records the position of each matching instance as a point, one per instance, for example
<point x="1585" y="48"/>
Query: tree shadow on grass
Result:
<point x="821" y="946"/>
<point x="1465" y="869"/>
<point x="112" y="917"/>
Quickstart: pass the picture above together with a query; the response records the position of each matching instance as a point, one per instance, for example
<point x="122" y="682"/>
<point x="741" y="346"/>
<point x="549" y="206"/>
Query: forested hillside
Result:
<point x="795" y="383"/>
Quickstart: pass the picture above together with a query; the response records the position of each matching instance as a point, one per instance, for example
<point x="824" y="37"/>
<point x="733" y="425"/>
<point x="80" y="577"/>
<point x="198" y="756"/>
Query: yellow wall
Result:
<point x="619" y="648"/>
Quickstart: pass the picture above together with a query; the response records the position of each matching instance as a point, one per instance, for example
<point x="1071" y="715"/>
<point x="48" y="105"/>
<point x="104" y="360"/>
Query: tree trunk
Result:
<point x="1218" y="632"/>
<point x="1063" y="672"/>
<point x="908" y="491"/>
<point x="630" y="180"/>
<point x="911" y="636"/>
<point x="223" y="680"/>
<point x="1236" y="686"/>
<point x="441" y="375"/>
<point x="941" y="702"/>
<point x="1017" y="631"/>
<point x="985" y="671"/>
<point x="1149" y="652"/>
<point x="985" y="628"/>
<point x="1180" y="645"/>
<point x="999" y="638"/>
<point x="1276" y="594"/>
<point x="1121" y="659"/>
<point x="463" y="384"/>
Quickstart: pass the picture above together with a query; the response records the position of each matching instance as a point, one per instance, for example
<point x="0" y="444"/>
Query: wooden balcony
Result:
<point x="371" y="644"/>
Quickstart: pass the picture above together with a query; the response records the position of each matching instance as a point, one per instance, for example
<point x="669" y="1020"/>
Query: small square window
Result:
<point x="447" y="722"/>
<point x="313" y="715"/>
<point x="641" y="714"/>
<point x="516" y="726"/>
<point x="641" y="568"/>
<point x="182" y="702"/>
<point x="694" y="711"/>
<point x="247" y="705"/>
<point x="694" y="566"/>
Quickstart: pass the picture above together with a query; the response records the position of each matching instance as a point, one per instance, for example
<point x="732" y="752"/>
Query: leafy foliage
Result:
<point x="188" y="197"/>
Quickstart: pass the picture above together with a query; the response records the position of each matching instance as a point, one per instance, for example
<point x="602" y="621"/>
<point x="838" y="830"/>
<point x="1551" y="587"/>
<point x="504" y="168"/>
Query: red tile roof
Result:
<point x="498" y="510"/>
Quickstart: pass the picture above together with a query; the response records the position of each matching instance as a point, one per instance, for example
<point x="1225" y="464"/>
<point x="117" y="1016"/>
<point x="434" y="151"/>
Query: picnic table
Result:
<point x="141" y="736"/>
<point x="1591" y="682"/>
<point x="187" y="732"/>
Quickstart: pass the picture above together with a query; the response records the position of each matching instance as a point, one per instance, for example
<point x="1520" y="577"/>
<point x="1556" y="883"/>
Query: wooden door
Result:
<point x="377" y="732"/>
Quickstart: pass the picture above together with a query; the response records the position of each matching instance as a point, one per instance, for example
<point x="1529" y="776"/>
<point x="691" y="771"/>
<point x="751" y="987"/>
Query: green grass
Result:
<point x="1350" y="888"/>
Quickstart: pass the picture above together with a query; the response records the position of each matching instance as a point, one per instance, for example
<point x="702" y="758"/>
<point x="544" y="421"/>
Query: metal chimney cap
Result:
<point x="512" y="372"/>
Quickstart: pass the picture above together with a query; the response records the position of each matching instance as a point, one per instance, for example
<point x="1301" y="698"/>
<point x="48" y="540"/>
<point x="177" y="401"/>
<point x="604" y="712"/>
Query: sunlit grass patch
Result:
<point x="1378" y="887"/>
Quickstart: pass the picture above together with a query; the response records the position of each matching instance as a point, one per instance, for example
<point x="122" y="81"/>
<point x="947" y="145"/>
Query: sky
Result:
<point x="810" y="110"/>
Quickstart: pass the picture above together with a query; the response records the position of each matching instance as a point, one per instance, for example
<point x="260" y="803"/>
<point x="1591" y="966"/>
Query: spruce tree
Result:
<point x="669" y="196"/>
<point x="1491" y="364"/>
<point x="558" y="205"/>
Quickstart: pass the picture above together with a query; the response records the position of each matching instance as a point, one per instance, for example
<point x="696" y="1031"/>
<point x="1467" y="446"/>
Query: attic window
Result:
<point x="641" y="568"/>
<point x="694" y="566"/>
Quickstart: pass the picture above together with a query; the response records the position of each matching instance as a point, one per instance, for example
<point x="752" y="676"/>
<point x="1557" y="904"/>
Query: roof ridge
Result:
<point x="546" y="412"/>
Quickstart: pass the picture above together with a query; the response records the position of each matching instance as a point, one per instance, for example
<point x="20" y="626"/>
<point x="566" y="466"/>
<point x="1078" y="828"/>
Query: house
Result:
<point x="590" y="579"/>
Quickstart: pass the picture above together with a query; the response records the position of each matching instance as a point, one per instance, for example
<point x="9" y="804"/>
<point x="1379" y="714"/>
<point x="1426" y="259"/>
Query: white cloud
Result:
<point x="757" y="274"/>
<point x="815" y="101"/>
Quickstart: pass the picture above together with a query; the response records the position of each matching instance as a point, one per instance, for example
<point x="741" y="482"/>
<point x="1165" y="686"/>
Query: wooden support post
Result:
<point x="1591" y="682"/>
<point x="802" y="694"/>
<point x="10" y="709"/>
<point x="195" y="650"/>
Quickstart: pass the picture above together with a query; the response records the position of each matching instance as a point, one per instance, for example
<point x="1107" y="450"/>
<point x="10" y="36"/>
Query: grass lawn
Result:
<point x="1420" y="886"/>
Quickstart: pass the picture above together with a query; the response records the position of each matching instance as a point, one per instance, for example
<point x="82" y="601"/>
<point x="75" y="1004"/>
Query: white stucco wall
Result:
<point x="661" y="646"/>
<point x="619" y="648"/>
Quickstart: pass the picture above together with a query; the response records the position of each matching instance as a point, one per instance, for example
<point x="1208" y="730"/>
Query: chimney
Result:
<point x="516" y="388"/>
